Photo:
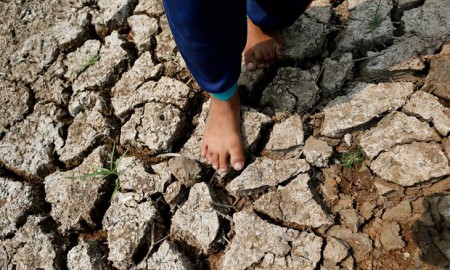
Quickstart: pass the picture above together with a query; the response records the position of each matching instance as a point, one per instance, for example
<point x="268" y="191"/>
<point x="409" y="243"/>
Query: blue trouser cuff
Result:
<point x="227" y="94"/>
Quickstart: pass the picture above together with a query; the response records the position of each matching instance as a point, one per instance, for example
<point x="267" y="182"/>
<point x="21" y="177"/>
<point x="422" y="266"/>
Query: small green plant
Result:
<point x="102" y="172"/>
<point x="352" y="158"/>
<point x="376" y="20"/>
<point x="92" y="59"/>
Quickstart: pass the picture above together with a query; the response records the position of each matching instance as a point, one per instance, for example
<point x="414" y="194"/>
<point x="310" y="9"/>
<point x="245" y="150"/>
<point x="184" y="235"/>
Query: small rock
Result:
<point x="292" y="89"/>
<point x="347" y="113"/>
<point x="264" y="173"/>
<point x="75" y="200"/>
<point x="395" y="129"/>
<point x="348" y="139"/>
<point x="359" y="242"/>
<point x="17" y="200"/>
<point x="294" y="203"/>
<point x="112" y="15"/>
<point x="15" y="102"/>
<point x="128" y="222"/>
<point x="410" y="164"/>
<point x="286" y="135"/>
<point x="155" y="127"/>
<point x="345" y="202"/>
<point x="330" y="184"/>
<point x="335" y="73"/>
<point x="33" y="247"/>
<point x="384" y="187"/>
<point x="87" y="254"/>
<point x="251" y="82"/>
<point x="88" y="101"/>
<point x="28" y="147"/>
<point x="367" y="209"/>
<point x="317" y="152"/>
<point x="335" y="252"/>
<point x="135" y="175"/>
<point x="153" y="8"/>
<point x="437" y="78"/>
<point x="142" y="29"/>
<point x="186" y="170"/>
<point x="174" y="194"/>
<point x="399" y="212"/>
<point x="428" y="107"/>
<point x="266" y="246"/>
<point x="350" y="219"/>
<point x="197" y="222"/>
<point x="167" y="257"/>
<point x="390" y="236"/>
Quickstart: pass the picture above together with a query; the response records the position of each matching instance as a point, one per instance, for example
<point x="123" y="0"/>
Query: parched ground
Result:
<point x="346" y="137"/>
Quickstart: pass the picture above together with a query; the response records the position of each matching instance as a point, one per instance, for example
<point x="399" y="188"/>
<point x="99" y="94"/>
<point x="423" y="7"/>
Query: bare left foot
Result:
<point x="262" y="48"/>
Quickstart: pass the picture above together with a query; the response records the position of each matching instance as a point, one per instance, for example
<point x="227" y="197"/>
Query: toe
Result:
<point x="223" y="161"/>
<point x="259" y="57"/>
<point x="237" y="158"/>
<point x="215" y="161"/>
<point x="250" y="60"/>
<point x="203" y="149"/>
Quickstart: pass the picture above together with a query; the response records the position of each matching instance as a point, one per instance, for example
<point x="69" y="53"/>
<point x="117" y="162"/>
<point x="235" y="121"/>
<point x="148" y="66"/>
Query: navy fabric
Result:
<point x="211" y="35"/>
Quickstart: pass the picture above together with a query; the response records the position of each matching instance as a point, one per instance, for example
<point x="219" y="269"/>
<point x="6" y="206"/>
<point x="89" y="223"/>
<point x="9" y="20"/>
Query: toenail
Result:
<point x="223" y="170"/>
<point x="238" y="166"/>
<point x="214" y="166"/>
<point x="251" y="66"/>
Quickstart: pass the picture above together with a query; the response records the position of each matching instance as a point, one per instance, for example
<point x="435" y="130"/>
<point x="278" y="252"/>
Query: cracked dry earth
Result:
<point x="78" y="77"/>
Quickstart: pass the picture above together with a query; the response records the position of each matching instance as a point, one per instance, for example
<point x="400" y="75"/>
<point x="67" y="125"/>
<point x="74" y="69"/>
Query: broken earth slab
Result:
<point x="138" y="176"/>
<point x="87" y="254"/>
<point x="266" y="246"/>
<point x="252" y="123"/>
<point x="153" y="8"/>
<point x="291" y="90"/>
<point x="186" y="170"/>
<point x="128" y="222"/>
<point x="438" y="80"/>
<point x="411" y="164"/>
<point x="347" y="113"/>
<point x="112" y="15"/>
<point x="28" y="147"/>
<point x="294" y="203"/>
<point x="264" y="173"/>
<point x="335" y="73"/>
<point x="250" y="82"/>
<point x="175" y="194"/>
<point x="33" y="246"/>
<point x="368" y="23"/>
<point x="197" y="222"/>
<point x="78" y="61"/>
<point x="335" y="252"/>
<point x="18" y="199"/>
<point x="15" y="102"/>
<point x="395" y="129"/>
<point x="427" y="107"/>
<point x="142" y="29"/>
<point x="286" y="138"/>
<point x="167" y="257"/>
<point x="156" y="127"/>
<point x="75" y="199"/>
<point x="317" y="152"/>
<point x="87" y="129"/>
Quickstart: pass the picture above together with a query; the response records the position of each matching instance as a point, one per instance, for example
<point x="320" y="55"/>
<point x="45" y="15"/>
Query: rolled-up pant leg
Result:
<point x="210" y="35"/>
<point x="272" y="15"/>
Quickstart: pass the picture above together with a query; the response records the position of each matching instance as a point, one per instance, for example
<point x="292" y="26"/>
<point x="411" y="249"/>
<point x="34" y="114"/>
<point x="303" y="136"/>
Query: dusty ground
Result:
<point x="346" y="138"/>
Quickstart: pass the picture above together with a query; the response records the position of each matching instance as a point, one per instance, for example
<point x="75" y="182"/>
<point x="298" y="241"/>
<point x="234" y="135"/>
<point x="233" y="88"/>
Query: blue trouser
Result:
<point x="211" y="34"/>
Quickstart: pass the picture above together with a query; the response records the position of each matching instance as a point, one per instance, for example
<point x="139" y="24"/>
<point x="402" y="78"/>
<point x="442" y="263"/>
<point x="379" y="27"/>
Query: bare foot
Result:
<point x="222" y="138"/>
<point x="262" y="48"/>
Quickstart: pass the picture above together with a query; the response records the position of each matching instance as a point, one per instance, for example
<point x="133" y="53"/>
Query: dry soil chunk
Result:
<point x="88" y="254"/>
<point x="286" y="135"/>
<point x="438" y="78"/>
<point x="251" y="124"/>
<point x="79" y="60"/>
<point x="155" y="127"/>
<point x="15" y="101"/>
<point x="362" y="104"/>
<point x="369" y="22"/>
<point x="428" y="108"/>
<point x="153" y="8"/>
<point x="87" y="129"/>
<point x="292" y="89"/>
<point x="390" y="236"/>
<point x="186" y="170"/>
<point x="112" y="15"/>
<point x="266" y="246"/>
<point x="410" y="164"/>
<point x="136" y="175"/>
<point x="395" y="129"/>
<point x="33" y="247"/>
<point x="168" y="257"/>
<point x="359" y="242"/>
<point x="317" y="152"/>
<point x="128" y="221"/>
<point x="17" y="199"/>
<point x="197" y="222"/>
<point x="294" y="203"/>
<point x="75" y="200"/>
<point x="142" y="29"/>
<point x="105" y="68"/>
<point x="400" y="212"/>
<point x="51" y="87"/>
<point x="28" y="147"/>
<point x="264" y="173"/>
<point x="335" y="252"/>
<point x="335" y="73"/>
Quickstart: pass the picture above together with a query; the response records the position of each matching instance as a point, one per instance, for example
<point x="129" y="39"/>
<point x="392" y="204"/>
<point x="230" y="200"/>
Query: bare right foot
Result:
<point x="262" y="48"/>
<point x="222" y="139"/>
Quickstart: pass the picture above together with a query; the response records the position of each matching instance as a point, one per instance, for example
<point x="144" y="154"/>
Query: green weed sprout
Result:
<point x="376" y="20"/>
<point x="352" y="158"/>
<point x="94" y="58"/>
